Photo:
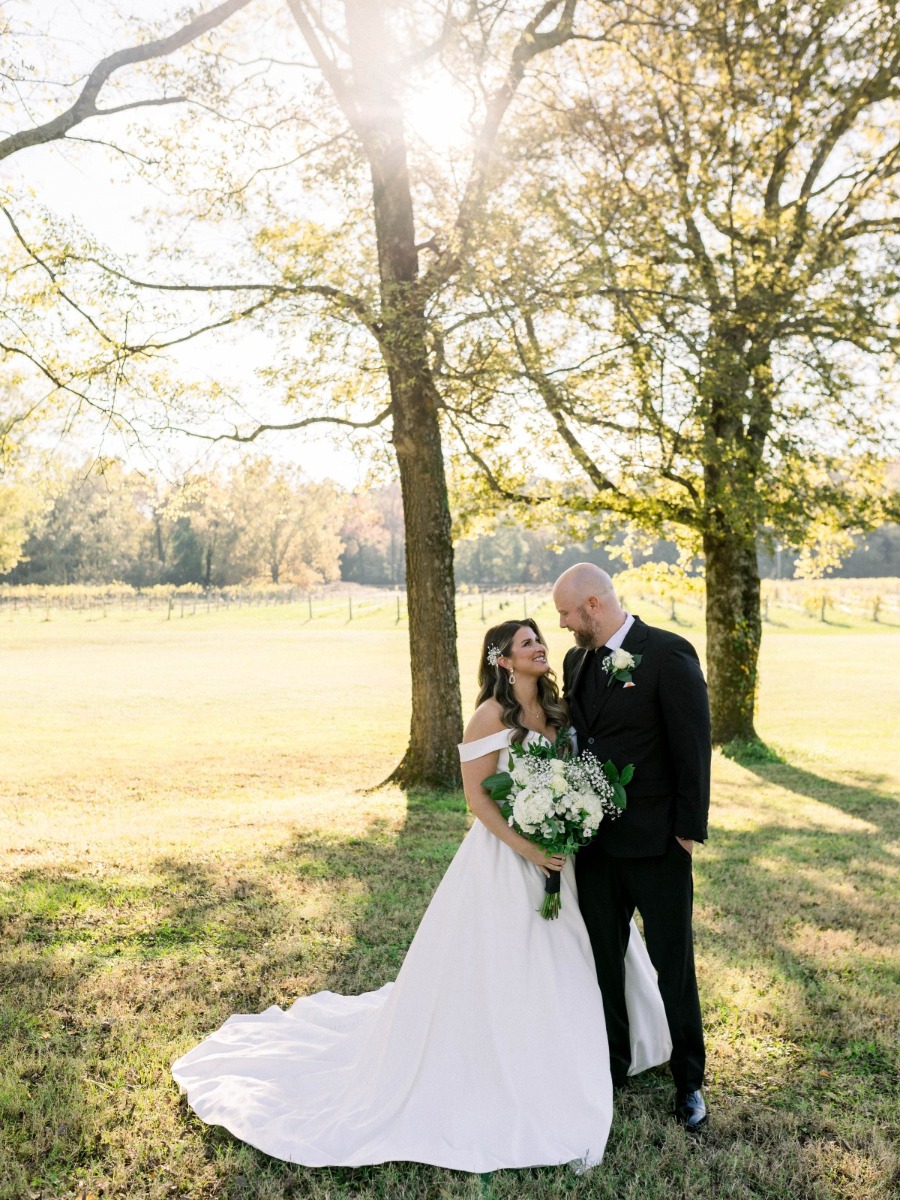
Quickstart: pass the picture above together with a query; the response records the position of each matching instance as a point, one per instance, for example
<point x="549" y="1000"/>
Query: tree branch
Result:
<point x="493" y="482"/>
<point x="694" y="237"/>
<point x="326" y="290"/>
<point x="335" y="77"/>
<point x="51" y="274"/>
<point x="86" y="104"/>
<point x="379" y="419"/>
<point x="530" y="44"/>
<point x="554" y="403"/>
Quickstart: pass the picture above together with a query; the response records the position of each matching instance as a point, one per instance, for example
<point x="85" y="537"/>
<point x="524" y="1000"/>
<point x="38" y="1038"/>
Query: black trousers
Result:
<point x="661" y="888"/>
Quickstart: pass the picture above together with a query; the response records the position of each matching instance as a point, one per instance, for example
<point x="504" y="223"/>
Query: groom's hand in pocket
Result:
<point x="686" y="843"/>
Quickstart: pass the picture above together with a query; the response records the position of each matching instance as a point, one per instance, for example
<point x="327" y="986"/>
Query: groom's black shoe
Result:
<point x="690" y="1111"/>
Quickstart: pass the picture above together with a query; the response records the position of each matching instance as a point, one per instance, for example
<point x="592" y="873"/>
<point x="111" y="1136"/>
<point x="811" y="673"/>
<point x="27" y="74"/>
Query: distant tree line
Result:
<point x="265" y="522"/>
<point x="102" y="523"/>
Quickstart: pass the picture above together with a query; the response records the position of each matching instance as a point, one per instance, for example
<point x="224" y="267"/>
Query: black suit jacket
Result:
<point x="661" y="725"/>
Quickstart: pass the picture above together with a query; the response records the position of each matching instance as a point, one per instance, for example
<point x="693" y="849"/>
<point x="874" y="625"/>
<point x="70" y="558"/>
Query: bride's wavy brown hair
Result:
<point x="493" y="682"/>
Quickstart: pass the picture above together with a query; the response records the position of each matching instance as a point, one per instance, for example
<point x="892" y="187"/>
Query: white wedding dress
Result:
<point x="488" y="1051"/>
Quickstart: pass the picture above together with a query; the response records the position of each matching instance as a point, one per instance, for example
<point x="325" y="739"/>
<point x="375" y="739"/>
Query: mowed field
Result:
<point x="187" y="830"/>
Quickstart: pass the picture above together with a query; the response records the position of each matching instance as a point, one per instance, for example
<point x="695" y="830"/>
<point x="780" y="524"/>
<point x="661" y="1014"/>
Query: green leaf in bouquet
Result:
<point x="617" y="780"/>
<point x="539" y="750"/>
<point x="498" y="786"/>
<point x="501" y="779"/>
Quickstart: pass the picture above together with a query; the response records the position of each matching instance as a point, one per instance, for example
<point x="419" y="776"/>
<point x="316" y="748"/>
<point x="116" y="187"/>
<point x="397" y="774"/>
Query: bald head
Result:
<point x="586" y="602"/>
<point x="583" y="580"/>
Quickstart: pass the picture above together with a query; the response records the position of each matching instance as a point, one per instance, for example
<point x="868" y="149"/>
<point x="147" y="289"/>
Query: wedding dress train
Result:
<point x="488" y="1051"/>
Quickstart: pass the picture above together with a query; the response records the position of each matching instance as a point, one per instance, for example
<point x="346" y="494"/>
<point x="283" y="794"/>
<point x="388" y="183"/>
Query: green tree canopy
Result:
<point x="702" y="299"/>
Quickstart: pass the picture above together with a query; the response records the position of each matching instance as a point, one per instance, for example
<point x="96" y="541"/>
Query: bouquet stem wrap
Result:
<point x="552" y="901"/>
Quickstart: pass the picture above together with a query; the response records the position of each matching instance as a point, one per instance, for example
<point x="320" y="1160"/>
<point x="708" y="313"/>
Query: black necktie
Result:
<point x="596" y="680"/>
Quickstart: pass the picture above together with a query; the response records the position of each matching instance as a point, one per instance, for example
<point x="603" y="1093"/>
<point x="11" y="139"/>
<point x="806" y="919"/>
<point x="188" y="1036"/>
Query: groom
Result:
<point x="647" y="705"/>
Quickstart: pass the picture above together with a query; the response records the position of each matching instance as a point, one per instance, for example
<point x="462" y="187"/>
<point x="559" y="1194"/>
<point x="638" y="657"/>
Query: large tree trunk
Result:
<point x="732" y="458"/>
<point x="436" y="722"/>
<point x="733" y="632"/>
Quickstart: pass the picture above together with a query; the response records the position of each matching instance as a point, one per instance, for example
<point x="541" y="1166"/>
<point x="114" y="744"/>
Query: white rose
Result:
<point x="621" y="660"/>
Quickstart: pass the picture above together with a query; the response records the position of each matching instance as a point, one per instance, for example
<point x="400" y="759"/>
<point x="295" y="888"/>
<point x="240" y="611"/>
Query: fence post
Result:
<point x="822" y="612"/>
<point x="350" y="607"/>
<point x="397" y="622"/>
<point x="482" y="606"/>
<point x="309" y="602"/>
<point x="876" y="608"/>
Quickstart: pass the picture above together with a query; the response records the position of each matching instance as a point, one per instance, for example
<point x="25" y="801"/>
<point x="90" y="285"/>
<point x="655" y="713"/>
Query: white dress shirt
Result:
<point x="614" y="642"/>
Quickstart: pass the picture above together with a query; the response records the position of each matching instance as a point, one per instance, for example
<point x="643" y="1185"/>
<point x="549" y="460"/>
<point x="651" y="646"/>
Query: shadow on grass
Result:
<point x="104" y="979"/>
<point x="863" y="800"/>
<point x="781" y="909"/>
<point x="797" y="927"/>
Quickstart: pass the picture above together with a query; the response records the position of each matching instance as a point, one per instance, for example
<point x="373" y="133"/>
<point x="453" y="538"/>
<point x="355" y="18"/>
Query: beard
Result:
<point x="584" y="639"/>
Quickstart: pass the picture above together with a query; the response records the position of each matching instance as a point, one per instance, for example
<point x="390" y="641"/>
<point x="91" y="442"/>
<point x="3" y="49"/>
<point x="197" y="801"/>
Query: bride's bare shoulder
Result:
<point x="484" y="721"/>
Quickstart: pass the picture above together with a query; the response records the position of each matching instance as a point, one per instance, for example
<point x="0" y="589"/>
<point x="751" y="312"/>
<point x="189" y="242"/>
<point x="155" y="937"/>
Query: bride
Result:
<point x="489" y="1050"/>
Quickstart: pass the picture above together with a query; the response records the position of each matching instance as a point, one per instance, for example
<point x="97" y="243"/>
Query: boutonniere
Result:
<point x="619" y="665"/>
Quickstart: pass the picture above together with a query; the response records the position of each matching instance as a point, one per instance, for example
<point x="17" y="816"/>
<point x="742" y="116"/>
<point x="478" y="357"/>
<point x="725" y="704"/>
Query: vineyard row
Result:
<point x="860" y="599"/>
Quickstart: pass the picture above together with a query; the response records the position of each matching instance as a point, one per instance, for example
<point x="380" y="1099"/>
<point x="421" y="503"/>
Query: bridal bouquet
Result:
<point x="557" y="801"/>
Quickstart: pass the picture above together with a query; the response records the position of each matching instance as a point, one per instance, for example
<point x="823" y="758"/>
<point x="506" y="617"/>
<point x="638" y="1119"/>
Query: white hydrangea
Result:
<point x="520" y="773"/>
<point x="530" y="807"/>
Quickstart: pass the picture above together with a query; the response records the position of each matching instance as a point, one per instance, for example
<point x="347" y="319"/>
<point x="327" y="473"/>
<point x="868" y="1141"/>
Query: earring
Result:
<point x="512" y="677"/>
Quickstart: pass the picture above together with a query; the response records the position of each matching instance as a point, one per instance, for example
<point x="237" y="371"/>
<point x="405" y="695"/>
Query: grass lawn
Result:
<point x="185" y="832"/>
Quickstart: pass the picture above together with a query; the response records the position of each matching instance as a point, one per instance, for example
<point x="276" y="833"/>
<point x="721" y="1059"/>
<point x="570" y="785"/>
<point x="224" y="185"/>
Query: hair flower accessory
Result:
<point x="619" y="665"/>
<point x="493" y="655"/>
